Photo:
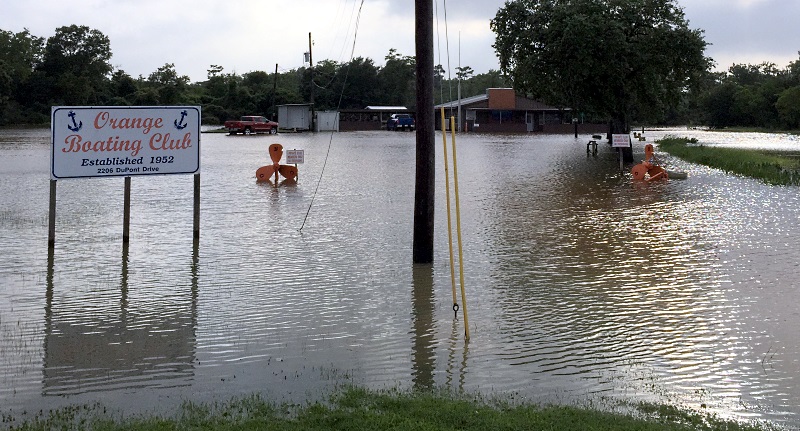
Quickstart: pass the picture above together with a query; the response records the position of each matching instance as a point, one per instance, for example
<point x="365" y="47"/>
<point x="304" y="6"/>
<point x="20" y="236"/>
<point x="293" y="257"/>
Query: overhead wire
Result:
<point x="339" y="103"/>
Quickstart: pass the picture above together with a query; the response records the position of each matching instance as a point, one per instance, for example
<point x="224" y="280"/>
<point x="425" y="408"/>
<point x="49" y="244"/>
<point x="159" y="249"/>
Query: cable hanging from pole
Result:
<point x="338" y="106"/>
<point x="455" y="191"/>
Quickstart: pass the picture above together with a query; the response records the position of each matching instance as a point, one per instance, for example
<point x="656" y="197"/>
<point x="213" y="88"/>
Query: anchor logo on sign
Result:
<point x="75" y="126"/>
<point x="264" y="173"/>
<point x="179" y="124"/>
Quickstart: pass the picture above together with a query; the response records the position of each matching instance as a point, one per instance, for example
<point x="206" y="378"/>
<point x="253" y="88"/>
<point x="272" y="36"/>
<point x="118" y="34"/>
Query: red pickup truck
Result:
<point x="251" y="124"/>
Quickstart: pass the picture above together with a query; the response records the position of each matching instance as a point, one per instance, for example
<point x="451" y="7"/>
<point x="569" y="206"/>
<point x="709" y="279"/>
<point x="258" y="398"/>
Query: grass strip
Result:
<point x="360" y="409"/>
<point x="772" y="167"/>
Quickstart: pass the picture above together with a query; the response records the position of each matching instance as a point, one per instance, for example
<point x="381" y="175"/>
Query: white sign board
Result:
<point x="620" y="141"/>
<point x="124" y="141"/>
<point x="295" y="157"/>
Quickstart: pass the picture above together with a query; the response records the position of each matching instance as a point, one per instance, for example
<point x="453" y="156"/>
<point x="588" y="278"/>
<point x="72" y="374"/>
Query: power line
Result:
<point x="339" y="104"/>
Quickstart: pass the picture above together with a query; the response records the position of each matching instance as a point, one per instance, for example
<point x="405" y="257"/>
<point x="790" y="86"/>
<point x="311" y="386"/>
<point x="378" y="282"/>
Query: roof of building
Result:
<point x="481" y="101"/>
<point x="464" y="101"/>
<point x="387" y="108"/>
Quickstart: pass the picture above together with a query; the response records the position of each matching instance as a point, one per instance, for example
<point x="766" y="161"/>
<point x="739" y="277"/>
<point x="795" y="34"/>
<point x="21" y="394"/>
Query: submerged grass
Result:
<point x="361" y="409"/>
<point x="772" y="167"/>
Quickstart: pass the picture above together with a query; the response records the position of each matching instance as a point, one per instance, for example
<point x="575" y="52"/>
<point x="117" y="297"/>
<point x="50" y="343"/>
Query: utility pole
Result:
<point x="275" y="92"/>
<point x="426" y="152"/>
<point x="460" y="121"/>
<point x="311" y="68"/>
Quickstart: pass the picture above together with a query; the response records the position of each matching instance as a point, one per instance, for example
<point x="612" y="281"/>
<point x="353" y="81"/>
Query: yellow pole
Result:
<point x="458" y="229"/>
<point x="449" y="222"/>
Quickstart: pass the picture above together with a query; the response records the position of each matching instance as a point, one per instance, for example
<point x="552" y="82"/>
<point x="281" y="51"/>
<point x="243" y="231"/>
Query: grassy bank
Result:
<point x="357" y="409"/>
<point x="772" y="167"/>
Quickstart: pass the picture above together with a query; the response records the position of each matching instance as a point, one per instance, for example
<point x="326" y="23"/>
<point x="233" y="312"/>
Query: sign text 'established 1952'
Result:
<point x="124" y="141"/>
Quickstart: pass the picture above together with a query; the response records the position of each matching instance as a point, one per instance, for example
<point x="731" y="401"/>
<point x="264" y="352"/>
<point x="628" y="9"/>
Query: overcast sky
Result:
<point x="247" y="35"/>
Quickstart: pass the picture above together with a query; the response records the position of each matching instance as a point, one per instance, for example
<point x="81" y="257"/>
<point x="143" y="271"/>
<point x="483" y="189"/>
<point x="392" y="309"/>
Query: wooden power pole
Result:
<point x="426" y="153"/>
<point x="311" y="68"/>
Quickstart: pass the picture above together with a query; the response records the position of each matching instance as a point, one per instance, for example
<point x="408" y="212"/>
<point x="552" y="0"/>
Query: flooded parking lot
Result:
<point x="581" y="285"/>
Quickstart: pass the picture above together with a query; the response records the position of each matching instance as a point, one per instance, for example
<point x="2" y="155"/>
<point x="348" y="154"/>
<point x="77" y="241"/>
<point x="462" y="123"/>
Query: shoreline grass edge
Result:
<point x="771" y="167"/>
<point x="353" y="408"/>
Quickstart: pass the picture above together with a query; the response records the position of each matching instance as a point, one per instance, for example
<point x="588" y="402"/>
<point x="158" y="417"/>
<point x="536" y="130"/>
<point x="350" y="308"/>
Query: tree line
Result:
<point x="72" y="68"/>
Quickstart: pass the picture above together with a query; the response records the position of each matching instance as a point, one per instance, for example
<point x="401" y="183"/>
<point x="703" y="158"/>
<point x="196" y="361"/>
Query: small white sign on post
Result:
<point x="124" y="141"/>
<point x="295" y="157"/>
<point x="620" y="141"/>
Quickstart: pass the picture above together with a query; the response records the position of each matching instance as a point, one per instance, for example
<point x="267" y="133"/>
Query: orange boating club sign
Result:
<point x="124" y="141"/>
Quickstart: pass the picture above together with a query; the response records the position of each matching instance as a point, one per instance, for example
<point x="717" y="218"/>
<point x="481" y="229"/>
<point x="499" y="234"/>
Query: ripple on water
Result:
<point x="580" y="283"/>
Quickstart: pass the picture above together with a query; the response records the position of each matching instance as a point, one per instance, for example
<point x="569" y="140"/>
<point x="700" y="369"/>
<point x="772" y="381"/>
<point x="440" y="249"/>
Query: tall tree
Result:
<point x="76" y="65"/>
<point x="397" y="78"/>
<point x="464" y="72"/>
<point x="621" y="59"/>
<point x="20" y="53"/>
<point x="169" y="85"/>
<point x="325" y="86"/>
<point x="362" y="87"/>
<point x="123" y="87"/>
<point x="788" y="106"/>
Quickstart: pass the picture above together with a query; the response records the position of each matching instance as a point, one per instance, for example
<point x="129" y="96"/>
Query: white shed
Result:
<point x="295" y="117"/>
<point x="327" y="121"/>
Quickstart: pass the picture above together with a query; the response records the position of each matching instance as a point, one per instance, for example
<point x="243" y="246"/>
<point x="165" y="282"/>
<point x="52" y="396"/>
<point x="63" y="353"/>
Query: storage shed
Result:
<point x="295" y="117"/>
<point x="327" y="121"/>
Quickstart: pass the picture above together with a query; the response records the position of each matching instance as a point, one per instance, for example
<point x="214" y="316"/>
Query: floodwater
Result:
<point x="581" y="286"/>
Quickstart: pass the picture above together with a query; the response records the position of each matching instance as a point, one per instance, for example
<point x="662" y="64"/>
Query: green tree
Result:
<point x="440" y="85"/>
<point x="261" y="86"/>
<point x="361" y="83"/>
<point x="170" y="86"/>
<point x="788" y="106"/>
<point x="76" y="65"/>
<point x="747" y="95"/>
<point x="6" y="86"/>
<point x="217" y="83"/>
<point x="325" y="85"/>
<point x="123" y="87"/>
<point x="793" y="71"/>
<point x="478" y="84"/>
<point x="717" y="105"/>
<point x="20" y="54"/>
<point x="464" y="73"/>
<point x="397" y="80"/>
<point x="621" y="59"/>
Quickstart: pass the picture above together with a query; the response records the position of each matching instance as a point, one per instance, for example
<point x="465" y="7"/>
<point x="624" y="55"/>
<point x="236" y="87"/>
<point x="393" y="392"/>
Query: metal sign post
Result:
<point x="620" y="141"/>
<point x="295" y="157"/>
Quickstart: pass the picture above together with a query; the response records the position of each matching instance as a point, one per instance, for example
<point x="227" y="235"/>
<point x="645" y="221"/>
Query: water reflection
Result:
<point x="423" y="348"/>
<point x="581" y="285"/>
<point x="90" y="345"/>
